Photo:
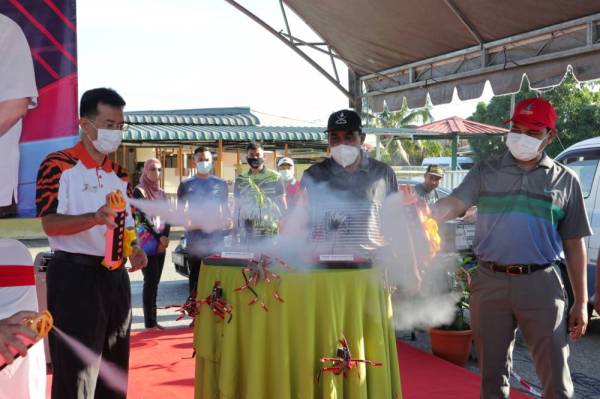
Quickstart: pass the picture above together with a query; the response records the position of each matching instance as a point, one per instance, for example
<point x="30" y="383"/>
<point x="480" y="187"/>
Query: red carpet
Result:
<point x="425" y="376"/>
<point x="161" y="367"/>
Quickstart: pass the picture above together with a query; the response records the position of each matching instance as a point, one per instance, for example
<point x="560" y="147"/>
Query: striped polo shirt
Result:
<point x="523" y="216"/>
<point x="345" y="207"/>
<point x="70" y="182"/>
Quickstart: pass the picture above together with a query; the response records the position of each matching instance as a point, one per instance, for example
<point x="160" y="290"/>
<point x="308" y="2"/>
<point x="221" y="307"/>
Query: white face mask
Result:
<point x="522" y="146"/>
<point x="287" y="175"/>
<point x="344" y="154"/>
<point x="204" y="167"/>
<point x="108" y="140"/>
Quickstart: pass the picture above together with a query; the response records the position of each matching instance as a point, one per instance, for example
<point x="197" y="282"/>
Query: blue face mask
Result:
<point x="204" y="167"/>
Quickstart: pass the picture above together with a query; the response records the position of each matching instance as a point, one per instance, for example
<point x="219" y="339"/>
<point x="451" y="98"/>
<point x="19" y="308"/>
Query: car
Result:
<point x="181" y="259"/>
<point x="583" y="158"/>
<point x="446" y="162"/>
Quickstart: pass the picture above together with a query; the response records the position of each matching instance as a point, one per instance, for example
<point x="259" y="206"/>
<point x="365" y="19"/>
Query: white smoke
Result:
<point x="416" y="305"/>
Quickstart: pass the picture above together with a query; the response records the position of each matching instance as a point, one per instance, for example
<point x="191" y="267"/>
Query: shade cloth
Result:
<point x="411" y="49"/>
<point x="276" y="354"/>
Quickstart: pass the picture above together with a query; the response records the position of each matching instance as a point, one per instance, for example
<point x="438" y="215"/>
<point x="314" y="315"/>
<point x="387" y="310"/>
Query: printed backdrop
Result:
<point x="49" y="26"/>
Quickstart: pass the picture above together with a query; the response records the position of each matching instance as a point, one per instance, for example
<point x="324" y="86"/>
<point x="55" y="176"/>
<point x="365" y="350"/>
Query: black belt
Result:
<point x="513" y="269"/>
<point x="81" y="259"/>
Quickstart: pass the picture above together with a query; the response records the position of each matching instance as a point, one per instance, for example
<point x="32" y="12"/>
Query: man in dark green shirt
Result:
<point x="259" y="197"/>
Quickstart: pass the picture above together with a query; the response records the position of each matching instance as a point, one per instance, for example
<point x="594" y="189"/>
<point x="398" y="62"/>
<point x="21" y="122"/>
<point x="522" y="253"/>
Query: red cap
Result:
<point x="535" y="113"/>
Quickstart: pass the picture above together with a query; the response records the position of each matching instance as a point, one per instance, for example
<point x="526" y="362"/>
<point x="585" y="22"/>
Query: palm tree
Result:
<point x="393" y="150"/>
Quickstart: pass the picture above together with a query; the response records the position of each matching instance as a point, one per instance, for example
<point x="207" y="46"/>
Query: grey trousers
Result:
<point x="536" y="303"/>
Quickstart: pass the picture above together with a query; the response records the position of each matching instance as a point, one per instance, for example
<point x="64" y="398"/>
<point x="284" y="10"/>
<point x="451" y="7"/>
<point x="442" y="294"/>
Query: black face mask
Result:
<point x="255" y="163"/>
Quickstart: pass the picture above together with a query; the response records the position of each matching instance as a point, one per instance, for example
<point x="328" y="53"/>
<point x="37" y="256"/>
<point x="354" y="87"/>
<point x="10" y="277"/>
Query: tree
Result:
<point x="577" y="105"/>
<point x="397" y="152"/>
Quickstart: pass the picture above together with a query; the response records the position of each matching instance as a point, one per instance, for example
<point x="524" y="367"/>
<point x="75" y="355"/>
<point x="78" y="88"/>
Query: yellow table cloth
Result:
<point x="276" y="354"/>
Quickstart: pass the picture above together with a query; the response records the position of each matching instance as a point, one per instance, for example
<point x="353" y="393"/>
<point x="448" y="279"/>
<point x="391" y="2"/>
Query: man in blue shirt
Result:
<point x="204" y="190"/>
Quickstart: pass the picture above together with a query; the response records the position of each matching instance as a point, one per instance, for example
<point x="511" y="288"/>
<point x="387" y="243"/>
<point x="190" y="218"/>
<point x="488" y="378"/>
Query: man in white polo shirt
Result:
<point x="88" y="301"/>
<point x="18" y="93"/>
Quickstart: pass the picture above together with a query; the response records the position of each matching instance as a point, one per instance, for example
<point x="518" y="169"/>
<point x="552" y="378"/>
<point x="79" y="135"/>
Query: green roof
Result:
<point x="179" y="133"/>
<point x="235" y="124"/>
<point x="238" y="116"/>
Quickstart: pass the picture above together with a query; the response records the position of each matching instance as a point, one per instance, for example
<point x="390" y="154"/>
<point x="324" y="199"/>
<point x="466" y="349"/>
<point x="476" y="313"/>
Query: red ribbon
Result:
<point x="16" y="276"/>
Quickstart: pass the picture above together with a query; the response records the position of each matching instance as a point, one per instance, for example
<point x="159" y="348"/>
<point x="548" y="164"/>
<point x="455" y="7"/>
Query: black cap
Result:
<point x="345" y="119"/>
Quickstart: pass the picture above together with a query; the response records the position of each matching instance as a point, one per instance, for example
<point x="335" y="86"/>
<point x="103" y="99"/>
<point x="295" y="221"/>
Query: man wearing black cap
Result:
<point x="431" y="180"/>
<point x="345" y="192"/>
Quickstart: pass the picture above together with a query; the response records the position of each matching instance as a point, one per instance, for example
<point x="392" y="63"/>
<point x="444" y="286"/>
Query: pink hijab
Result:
<point x="151" y="190"/>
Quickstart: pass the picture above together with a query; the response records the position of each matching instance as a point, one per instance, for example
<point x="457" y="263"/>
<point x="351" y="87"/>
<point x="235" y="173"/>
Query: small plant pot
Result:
<point x="453" y="346"/>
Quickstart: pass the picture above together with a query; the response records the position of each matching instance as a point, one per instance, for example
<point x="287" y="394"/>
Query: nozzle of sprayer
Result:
<point x="42" y="324"/>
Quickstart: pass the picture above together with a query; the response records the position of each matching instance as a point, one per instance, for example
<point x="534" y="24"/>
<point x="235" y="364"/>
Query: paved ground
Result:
<point x="173" y="289"/>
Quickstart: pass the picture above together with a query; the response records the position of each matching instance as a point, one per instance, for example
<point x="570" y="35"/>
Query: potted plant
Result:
<point x="453" y="341"/>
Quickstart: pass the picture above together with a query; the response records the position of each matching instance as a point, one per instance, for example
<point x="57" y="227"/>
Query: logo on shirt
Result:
<point x="89" y="188"/>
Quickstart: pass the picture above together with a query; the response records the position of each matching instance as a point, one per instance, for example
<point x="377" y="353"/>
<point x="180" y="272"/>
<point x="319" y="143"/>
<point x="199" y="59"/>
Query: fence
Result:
<point x="451" y="180"/>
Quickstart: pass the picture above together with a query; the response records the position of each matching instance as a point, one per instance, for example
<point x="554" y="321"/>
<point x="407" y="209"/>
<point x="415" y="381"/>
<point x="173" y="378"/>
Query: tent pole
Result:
<point x="512" y="106"/>
<point x="220" y="159"/>
<point x="354" y="87"/>
<point x="179" y="163"/>
<point x="291" y="45"/>
<point x="454" y="150"/>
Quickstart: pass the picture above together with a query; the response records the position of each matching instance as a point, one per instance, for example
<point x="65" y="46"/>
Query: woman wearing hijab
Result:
<point x="153" y="236"/>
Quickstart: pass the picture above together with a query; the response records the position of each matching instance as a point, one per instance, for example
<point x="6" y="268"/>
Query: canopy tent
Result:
<point x="411" y="49"/>
<point x="455" y="127"/>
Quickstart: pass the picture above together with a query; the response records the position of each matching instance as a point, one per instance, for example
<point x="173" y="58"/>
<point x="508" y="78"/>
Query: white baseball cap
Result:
<point x="283" y="160"/>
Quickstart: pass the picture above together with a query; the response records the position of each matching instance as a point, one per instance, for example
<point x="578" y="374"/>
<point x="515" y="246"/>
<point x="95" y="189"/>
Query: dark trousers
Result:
<point x="93" y="305"/>
<point x="152" y="273"/>
<point x="195" y="263"/>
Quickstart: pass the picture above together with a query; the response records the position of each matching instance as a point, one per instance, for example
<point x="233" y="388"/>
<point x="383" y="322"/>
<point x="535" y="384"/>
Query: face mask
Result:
<point x="287" y="174"/>
<point x="522" y="146"/>
<point x="345" y="154"/>
<point x="108" y="140"/>
<point x="255" y="163"/>
<point x="204" y="167"/>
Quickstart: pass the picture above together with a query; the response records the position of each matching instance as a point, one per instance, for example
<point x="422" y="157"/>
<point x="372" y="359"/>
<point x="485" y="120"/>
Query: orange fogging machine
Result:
<point x="423" y="231"/>
<point x="119" y="240"/>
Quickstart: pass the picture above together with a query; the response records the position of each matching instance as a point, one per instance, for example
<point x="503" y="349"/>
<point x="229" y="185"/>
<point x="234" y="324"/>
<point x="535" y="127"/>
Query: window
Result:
<point x="585" y="166"/>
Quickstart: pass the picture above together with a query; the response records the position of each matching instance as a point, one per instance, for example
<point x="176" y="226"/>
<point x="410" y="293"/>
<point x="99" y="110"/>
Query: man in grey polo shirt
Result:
<point x="428" y="190"/>
<point x="531" y="215"/>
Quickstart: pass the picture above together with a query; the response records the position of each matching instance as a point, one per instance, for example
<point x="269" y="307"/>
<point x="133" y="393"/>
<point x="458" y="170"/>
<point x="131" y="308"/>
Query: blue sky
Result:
<point x="204" y="53"/>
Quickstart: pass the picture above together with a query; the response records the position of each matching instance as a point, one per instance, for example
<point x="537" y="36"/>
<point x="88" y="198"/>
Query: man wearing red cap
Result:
<point x="531" y="216"/>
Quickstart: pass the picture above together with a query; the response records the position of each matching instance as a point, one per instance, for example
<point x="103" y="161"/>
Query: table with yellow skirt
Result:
<point x="276" y="353"/>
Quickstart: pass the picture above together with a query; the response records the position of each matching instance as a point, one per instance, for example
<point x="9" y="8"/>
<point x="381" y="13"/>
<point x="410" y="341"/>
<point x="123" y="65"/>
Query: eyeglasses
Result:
<point x="123" y="127"/>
